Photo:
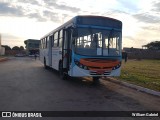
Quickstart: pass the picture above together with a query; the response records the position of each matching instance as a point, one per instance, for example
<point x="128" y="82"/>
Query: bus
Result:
<point x="85" y="46"/>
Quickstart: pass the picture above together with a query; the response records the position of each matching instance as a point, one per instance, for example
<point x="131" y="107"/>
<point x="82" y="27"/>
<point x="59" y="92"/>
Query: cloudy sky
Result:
<point x="31" y="19"/>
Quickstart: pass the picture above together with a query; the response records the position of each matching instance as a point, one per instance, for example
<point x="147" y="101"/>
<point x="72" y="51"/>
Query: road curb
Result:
<point x="3" y="59"/>
<point x="138" y="88"/>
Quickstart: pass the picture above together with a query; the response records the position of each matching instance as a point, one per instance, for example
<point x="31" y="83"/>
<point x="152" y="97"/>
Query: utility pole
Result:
<point x="0" y="45"/>
<point x="0" y="41"/>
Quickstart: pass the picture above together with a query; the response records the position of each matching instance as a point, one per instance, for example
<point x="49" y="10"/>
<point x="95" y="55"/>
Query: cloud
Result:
<point x="54" y="4"/>
<point x="51" y="16"/>
<point x="68" y="8"/>
<point x="34" y="2"/>
<point x="37" y="16"/>
<point x="156" y="6"/>
<point x="128" y="5"/>
<point x="155" y="28"/>
<point x="40" y="14"/>
<point x="7" y="10"/>
<point x="133" y="41"/>
<point x="50" y="2"/>
<point x="11" y="40"/>
<point x="129" y="37"/>
<point x="114" y="12"/>
<point x="147" y="18"/>
<point x="6" y="36"/>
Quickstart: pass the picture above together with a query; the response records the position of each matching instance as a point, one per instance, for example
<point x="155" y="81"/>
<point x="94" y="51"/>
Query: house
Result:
<point x="2" y="49"/>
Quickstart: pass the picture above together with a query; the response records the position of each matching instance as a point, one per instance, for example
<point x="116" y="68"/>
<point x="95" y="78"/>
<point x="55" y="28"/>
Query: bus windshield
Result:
<point x="97" y="42"/>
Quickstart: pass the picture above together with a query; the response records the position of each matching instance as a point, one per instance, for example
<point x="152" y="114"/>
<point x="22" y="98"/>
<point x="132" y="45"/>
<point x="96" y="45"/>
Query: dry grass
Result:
<point x="144" y="73"/>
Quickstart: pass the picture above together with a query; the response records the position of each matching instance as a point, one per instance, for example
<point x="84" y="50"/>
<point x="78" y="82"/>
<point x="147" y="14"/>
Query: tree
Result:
<point x="21" y="48"/>
<point x="153" y="45"/>
<point x="15" y="48"/>
<point x="6" y="47"/>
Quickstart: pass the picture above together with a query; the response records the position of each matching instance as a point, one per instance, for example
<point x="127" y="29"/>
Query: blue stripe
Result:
<point x="99" y="27"/>
<point x="78" y="57"/>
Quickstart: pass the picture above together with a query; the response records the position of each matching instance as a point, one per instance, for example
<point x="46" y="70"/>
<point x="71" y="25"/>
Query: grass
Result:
<point x="145" y="73"/>
<point x="2" y="56"/>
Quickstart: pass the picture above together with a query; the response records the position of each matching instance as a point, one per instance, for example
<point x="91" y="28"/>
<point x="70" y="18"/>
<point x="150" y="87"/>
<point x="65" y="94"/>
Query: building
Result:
<point x="2" y="49"/>
<point x="32" y="46"/>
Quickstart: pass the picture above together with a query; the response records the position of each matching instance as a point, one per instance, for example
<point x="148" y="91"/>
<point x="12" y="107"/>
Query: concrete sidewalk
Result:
<point x="138" y="88"/>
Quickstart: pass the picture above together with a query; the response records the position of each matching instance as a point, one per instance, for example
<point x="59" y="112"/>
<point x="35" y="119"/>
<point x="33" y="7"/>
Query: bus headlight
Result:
<point x="117" y="66"/>
<point x="80" y="65"/>
<point x="85" y="67"/>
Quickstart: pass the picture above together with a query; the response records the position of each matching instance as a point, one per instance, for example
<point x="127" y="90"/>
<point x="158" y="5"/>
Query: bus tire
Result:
<point x="45" y="66"/>
<point x="62" y="75"/>
<point x="96" y="80"/>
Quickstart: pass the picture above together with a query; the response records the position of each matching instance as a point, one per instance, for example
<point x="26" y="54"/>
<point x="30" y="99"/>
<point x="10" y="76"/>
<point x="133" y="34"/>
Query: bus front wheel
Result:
<point x="96" y="80"/>
<point x="45" y="66"/>
<point x="61" y="72"/>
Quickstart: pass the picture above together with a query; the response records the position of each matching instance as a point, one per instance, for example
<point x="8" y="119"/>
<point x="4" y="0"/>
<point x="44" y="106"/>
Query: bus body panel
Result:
<point x="78" y="72"/>
<point x="44" y="56"/>
<point x="101" y="66"/>
<point x="56" y="57"/>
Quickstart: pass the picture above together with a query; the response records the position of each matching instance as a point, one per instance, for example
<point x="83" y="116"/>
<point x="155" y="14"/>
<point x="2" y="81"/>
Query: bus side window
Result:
<point x="41" y="44"/>
<point x="60" y="38"/>
<point x="48" y="42"/>
<point x="52" y="39"/>
<point x="44" y="43"/>
<point x="56" y="39"/>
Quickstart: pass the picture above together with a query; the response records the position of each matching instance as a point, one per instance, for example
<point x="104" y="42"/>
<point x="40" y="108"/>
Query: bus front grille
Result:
<point x="97" y="73"/>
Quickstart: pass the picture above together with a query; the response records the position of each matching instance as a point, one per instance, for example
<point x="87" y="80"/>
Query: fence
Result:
<point x="143" y="54"/>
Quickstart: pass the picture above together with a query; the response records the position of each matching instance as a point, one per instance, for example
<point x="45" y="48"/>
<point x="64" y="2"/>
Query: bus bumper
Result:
<point x="79" y="72"/>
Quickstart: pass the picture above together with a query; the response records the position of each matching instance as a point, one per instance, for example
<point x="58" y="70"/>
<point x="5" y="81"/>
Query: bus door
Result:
<point x="66" y="49"/>
<point x="50" y="50"/>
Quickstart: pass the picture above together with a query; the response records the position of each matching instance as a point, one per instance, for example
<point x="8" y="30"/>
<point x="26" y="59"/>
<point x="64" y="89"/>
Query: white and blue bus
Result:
<point x="84" y="46"/>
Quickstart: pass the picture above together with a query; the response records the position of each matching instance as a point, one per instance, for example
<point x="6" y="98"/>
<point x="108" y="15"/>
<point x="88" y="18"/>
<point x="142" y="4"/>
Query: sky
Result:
<point x="32" y="19"/>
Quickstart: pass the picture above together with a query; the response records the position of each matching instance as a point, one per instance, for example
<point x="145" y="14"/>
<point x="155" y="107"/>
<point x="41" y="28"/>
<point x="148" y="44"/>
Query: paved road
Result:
<point x="26" y="86"/>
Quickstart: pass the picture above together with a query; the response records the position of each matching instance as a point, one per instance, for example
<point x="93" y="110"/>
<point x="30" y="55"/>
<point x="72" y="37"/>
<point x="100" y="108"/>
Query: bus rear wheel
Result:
<point x="96" y="80"/>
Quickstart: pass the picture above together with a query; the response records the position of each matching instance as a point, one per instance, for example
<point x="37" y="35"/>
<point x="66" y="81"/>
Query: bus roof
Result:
<point x="93" y="16"/>
<point x="76" y="19"/>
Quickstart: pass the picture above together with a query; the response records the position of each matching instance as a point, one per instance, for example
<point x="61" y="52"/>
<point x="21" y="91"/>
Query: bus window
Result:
<point x="52" y="40"/>
<point x="99" y="39"/>
<point x="60" y="38"/>
<point x="41" y="44"/>
<point x="114" y="46"/>
<point x="65" y="41"/>
<point x="105" y="45"/>
<point x="46" y="42"/>
<point x="44" y="45"/>
<point x="56" y="39"/>
<point x="55" y="43"/>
